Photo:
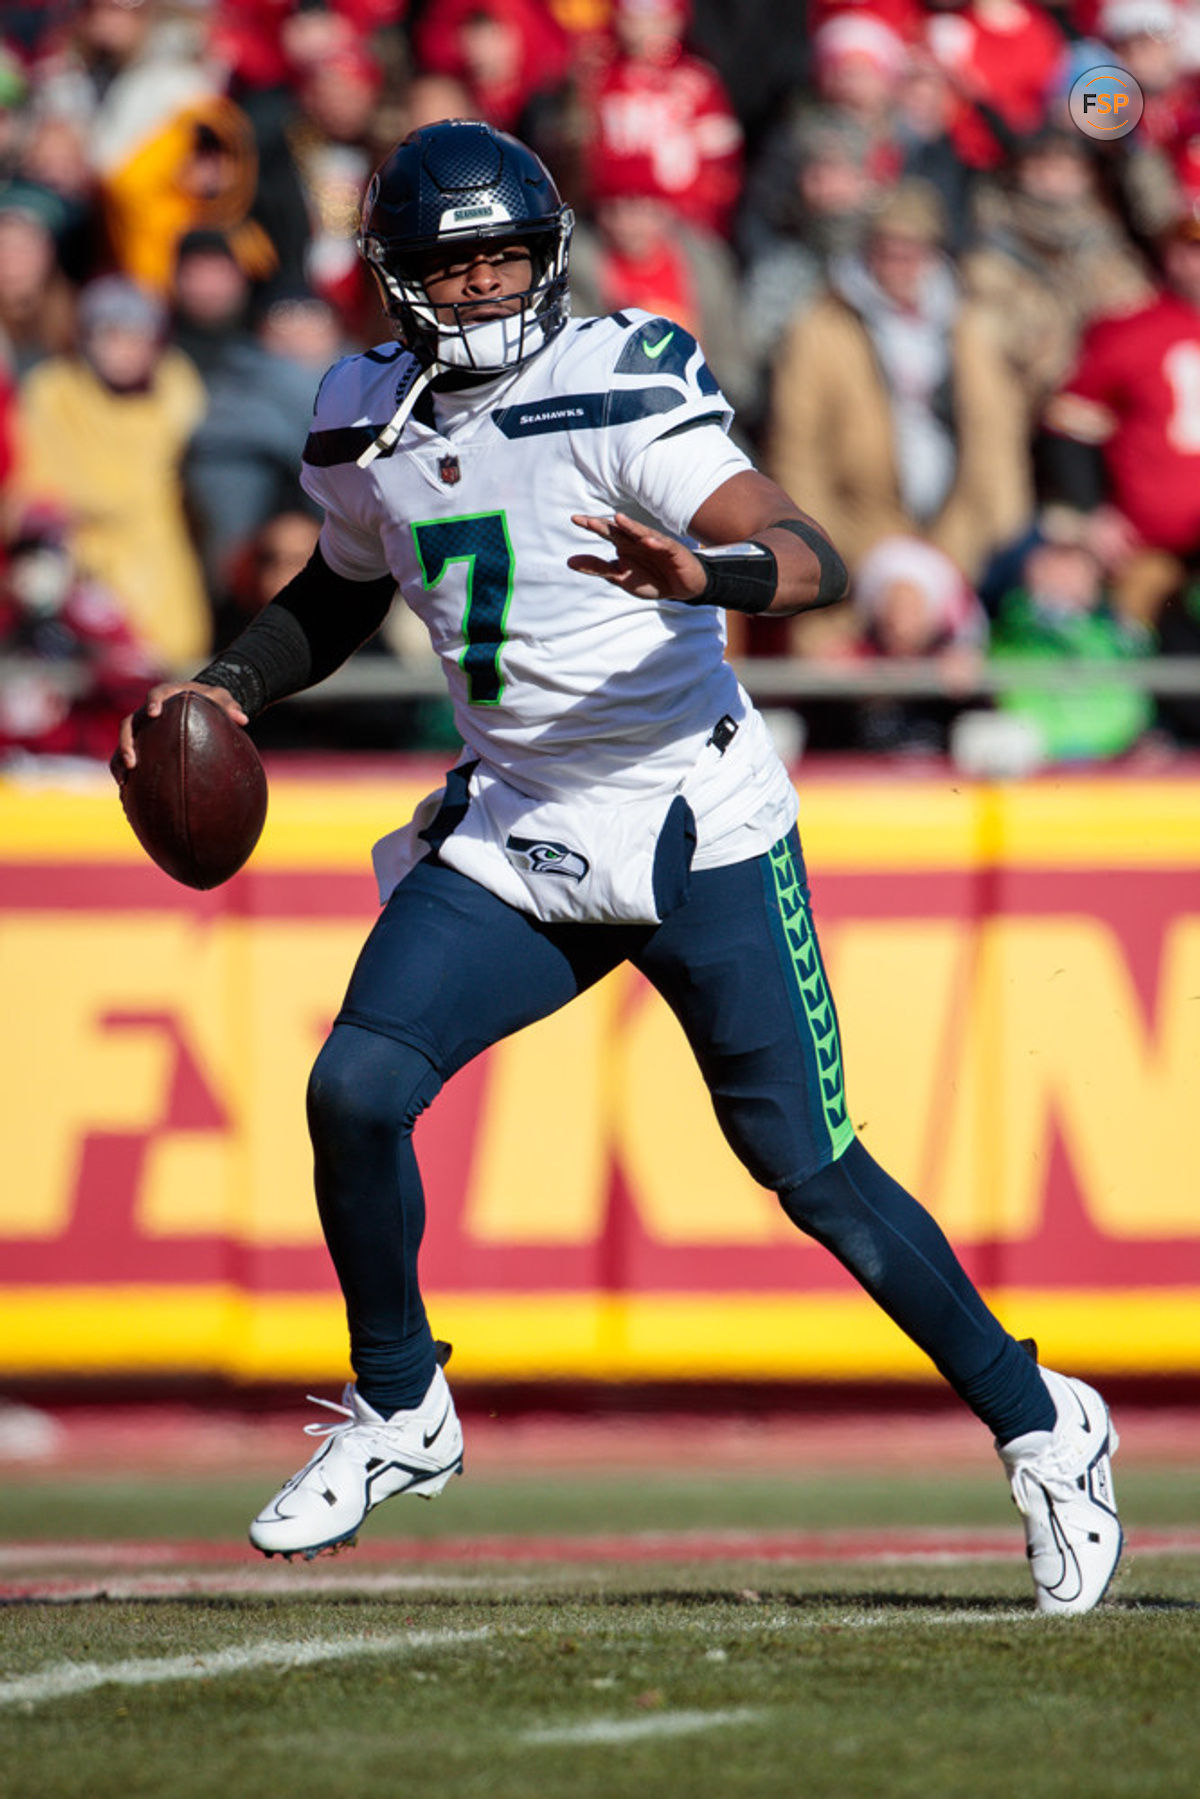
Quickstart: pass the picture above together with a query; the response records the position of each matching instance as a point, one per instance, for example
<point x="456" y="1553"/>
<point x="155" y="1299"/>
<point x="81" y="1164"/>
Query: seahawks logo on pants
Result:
<point x="541" y="857"/>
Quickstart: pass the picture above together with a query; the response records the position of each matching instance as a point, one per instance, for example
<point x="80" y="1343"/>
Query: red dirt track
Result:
<point x="151" y="1438"/>
<point x="54" y="1572"/>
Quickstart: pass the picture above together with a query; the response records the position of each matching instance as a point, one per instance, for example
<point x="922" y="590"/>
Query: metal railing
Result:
<point x="790" y="679"/>
<point x="767" y="679"/>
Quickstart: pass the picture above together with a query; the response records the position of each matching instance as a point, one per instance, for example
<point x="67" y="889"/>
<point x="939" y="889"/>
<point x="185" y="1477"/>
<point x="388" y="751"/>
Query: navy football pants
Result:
<point x="450" y="969"/>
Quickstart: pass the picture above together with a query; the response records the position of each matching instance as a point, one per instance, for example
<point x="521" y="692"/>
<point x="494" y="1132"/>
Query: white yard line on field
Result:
<point x="64" y="1680"/>
<point x="632" y="1730"/>
<point x="253" y="1582"/>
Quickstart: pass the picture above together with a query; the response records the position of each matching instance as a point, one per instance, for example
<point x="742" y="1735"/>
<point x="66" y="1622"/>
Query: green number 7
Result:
<point x="482" y="542"/>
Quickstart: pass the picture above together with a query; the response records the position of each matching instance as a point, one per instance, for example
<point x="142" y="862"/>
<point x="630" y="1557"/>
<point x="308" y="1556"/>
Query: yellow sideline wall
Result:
<point x="1017" y="970"/>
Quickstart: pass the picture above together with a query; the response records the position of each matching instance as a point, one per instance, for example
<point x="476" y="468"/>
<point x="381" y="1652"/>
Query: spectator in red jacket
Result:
<point x="657" y="101"/>
<point x="640" y="252"/>
<point x="505" y="52"/>
<point x="1124" y="432"/>
<point x="78" y="664"/>
<point x="264" y="42"/>
<point x="1005" y="57"/>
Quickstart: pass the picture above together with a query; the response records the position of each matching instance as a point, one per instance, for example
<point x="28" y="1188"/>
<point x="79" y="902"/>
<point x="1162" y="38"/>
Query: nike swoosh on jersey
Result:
<point x="655" y="350"/>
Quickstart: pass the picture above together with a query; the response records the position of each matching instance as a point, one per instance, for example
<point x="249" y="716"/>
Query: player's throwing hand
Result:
<point x="649" y="564"/>
<point x="124" y="757"/>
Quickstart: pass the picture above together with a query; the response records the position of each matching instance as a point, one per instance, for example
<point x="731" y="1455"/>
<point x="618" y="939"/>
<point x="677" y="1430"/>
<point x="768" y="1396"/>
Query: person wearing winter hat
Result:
<point x="858" y="66"/>
<point x="36" y="299"/>
<point x="910" y="601"/>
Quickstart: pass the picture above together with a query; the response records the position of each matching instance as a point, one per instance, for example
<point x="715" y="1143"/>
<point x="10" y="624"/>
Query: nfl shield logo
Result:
<point x="449" y="471"/>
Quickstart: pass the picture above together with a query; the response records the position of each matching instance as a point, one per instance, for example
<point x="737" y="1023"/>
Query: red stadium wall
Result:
<point x="1018" y="975"/>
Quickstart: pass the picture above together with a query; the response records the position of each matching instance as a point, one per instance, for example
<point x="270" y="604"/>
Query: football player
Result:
<point x="560" y="503"/>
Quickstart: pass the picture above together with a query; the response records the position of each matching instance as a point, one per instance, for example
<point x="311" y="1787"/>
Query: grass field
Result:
<point x="653" y="1621"/>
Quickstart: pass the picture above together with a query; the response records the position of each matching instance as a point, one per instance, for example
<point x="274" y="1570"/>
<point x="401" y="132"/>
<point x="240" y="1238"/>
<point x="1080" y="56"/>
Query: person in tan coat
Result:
<point x="892" y="410"/>
<point x="102" y="435"/>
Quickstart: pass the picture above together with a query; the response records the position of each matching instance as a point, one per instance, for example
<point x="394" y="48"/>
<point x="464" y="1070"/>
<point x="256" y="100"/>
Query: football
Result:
<point x="197" y="795"/>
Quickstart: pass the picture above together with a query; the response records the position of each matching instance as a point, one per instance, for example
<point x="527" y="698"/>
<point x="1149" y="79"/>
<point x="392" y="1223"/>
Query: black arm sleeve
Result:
<point x="309" y="629"/>
<point x="835" y="578"/>
<point x="744" y="577"/>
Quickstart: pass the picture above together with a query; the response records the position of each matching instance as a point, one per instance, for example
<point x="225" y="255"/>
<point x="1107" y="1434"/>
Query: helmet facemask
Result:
<point x="488" y="346"/>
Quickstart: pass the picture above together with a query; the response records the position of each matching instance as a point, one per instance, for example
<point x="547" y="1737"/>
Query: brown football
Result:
<point x="197" y="795"/>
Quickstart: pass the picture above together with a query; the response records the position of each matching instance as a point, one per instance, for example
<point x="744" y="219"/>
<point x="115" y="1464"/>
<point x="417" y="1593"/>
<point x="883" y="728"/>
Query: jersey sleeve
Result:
<point x="673" y="476"/>
<point x="350" y="540"/>
<point x="663" y="445"/>
<point x="356" y="554"/>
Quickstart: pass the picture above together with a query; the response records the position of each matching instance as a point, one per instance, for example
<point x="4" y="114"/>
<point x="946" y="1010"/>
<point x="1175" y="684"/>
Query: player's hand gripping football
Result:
<point x="648" y="564"/>
<point x="124" y="757"/>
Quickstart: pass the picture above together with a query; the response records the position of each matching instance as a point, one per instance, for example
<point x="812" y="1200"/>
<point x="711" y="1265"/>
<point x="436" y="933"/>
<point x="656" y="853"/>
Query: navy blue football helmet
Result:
<point x="461" y="179"/>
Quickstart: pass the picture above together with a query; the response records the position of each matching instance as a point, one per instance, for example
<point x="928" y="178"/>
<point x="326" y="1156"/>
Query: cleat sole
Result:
<point x="309" y="1552"/>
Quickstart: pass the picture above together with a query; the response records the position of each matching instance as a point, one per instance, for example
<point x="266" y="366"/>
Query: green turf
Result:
<point x="159" y="1507"/>
<point x="879" y="1681"/>
<point x="906" y="1691"/>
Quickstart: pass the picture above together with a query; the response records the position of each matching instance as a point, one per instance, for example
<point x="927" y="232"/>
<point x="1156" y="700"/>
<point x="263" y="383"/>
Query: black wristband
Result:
<point x="241" y="679"/>
<point x="741" y="577"/>
<point x="835" y="577"/>
<point x="270" y="659"/>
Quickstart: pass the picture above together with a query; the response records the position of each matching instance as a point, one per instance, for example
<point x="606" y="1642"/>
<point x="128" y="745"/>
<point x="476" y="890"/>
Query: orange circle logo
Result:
<point x="1106" y="102"/>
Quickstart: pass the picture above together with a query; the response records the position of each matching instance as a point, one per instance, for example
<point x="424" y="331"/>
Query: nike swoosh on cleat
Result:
<point x="1084" y="1420"/>
<point x="1070" y="1562"/>
<point x="655" y="350"/>
<point x="434" y="1435"/>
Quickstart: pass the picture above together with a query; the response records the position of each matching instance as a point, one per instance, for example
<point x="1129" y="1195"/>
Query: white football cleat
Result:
<point x="363" y="1460"/>
<point x="1062" y="1485"/>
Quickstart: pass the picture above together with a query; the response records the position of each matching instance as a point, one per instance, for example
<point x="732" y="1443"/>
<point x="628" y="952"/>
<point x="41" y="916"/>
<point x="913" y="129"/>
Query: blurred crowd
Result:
<point x="959" y="331"/>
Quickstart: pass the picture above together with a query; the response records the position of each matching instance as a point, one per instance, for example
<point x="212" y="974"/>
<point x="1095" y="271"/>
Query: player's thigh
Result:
<point x="450" y="969"/>
<point x="740" y="966"/>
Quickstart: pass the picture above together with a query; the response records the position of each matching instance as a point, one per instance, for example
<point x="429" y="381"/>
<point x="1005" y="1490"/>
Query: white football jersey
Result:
<point x="561" y="684"/>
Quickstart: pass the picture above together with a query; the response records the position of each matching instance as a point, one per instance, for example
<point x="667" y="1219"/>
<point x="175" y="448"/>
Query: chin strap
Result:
<point x="408" y="396"/>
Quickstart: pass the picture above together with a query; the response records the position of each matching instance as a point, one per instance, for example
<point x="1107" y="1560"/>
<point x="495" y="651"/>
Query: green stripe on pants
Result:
<point x="816" y="1002"/>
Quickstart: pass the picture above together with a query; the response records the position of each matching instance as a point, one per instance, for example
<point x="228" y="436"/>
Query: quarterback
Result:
<point x="559" y="502"/>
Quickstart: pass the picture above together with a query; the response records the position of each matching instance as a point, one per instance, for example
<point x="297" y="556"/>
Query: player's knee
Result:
<point x="829" y="1206"/>
<point x="812" y="1202"/>
<point x="821" y="1199"/>
<point x="363" y="1082"/>
<point x="772" y="1137"/>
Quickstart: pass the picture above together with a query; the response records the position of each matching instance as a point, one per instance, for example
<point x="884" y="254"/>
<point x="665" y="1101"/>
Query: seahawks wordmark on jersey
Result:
<point x="584" y="712"/>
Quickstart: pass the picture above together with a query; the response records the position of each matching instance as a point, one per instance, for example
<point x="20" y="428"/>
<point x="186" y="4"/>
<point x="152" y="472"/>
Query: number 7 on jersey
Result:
<point x="482" y="542"/>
